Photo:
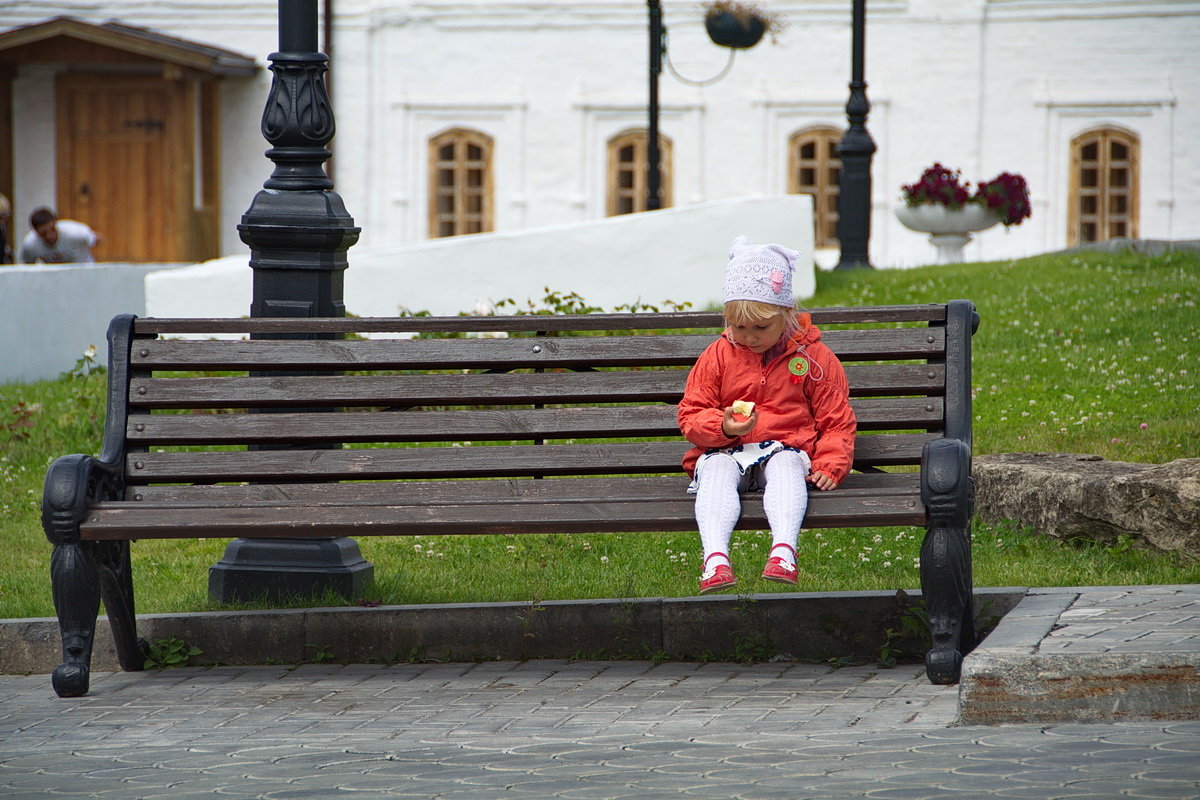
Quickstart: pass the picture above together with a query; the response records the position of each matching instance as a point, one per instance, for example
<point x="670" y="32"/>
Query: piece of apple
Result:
<point x="743" y="407"/>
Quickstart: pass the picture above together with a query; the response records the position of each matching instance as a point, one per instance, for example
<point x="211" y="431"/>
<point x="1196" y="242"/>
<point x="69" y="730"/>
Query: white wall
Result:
<point x="50" y="314"/>
<point x="674" y="254"/>
<point x="982" y="85"/>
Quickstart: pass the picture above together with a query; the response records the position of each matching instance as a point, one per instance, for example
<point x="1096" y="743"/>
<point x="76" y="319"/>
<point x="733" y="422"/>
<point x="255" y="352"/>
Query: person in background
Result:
<point x="57" y="241"/>
<point x="6" y="254"/>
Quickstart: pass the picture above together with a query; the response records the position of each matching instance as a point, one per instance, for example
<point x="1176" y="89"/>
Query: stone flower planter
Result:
<point x="949" y="229"/>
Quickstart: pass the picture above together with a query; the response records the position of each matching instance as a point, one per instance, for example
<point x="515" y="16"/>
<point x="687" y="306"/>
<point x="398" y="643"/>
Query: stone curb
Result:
<point x="802" y="626"/>
<point x="1013" y="677"/>
<point x="1090" y="687"/>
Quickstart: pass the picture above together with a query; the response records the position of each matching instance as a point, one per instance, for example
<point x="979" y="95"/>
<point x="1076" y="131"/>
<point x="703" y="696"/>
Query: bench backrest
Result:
<point x="468" y="397"/>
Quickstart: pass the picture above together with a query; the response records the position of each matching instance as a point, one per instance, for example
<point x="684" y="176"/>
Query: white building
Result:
<point x="525" y="108"/>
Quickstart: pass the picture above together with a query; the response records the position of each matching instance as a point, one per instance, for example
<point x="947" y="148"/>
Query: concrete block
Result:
<point x="593" y="629"/>
<point x="1005" y="688"/>
<point x="232" y="637"/>
<point x="806" y="626"/>
<point x="29" y="645"/>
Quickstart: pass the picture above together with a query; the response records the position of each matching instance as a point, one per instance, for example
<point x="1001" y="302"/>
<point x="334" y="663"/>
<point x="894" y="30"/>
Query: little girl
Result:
<point x="801" y="427"/>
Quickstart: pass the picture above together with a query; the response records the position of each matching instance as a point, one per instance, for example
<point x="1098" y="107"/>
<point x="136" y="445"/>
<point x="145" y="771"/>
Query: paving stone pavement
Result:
<point x="585" y="730"/>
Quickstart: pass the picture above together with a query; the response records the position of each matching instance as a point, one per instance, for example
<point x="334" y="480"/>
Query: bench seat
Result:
<point x="501" y="506"/>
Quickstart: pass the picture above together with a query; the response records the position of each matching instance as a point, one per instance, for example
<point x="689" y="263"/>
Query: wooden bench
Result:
<point x="579" y="416"/>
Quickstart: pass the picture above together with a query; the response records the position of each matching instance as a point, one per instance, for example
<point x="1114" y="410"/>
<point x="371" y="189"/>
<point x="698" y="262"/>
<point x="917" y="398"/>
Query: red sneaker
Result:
<point x="718" y="578"/>
<point x="779" y="571"/>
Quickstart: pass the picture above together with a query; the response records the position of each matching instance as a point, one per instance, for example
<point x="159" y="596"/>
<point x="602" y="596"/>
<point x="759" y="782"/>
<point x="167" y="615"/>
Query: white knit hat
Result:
<point x="761" y="272"/>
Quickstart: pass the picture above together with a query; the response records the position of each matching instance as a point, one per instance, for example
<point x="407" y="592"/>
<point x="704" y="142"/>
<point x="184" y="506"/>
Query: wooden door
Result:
<point x="125" y="163"/>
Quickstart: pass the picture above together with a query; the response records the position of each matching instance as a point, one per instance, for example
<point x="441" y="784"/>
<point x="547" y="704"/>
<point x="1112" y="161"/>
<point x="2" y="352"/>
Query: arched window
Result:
<point x="460" y="183"/>
<point x="627" y="172"/>
<point x="815" y="169"/>
<point x="1104" y="187"/>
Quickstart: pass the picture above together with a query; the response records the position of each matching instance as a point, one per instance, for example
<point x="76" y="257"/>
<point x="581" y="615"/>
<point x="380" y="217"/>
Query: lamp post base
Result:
<point x="276" y="569"/>
<point x="850" y="262"/>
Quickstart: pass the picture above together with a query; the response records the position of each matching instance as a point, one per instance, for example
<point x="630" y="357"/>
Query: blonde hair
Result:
<point x="755" y="312"/>
<point x="748" y="312"/>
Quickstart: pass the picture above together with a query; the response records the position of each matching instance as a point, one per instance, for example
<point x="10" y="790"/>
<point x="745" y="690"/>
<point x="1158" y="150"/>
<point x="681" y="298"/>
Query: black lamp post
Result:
<point x="298" y="231"/>
<point x="725" y="29"/>
<point x="855" y="151"/>
<point x="657" y="46"/>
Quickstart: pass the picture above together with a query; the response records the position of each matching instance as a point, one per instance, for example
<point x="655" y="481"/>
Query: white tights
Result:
<point x="785" y="499"/>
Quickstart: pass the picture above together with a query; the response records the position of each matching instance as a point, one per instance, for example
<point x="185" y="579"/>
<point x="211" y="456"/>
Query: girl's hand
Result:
<point x="822" y="481"/>
<point x="733" y="429"/>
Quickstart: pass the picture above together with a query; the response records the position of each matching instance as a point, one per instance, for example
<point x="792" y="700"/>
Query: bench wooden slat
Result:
<point x="509" y="490"/>
<point x="489" y="424"/>
<point x="587" y="322"/>
<point x="508" y="389"/>
<point x="547" y="352"/>
<point x="462" y="462"/>
<point x="484" y="424"/>
<point x="134" y="520"/>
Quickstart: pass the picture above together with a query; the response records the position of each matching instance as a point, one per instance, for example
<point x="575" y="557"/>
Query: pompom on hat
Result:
<point x="761" y="272"/>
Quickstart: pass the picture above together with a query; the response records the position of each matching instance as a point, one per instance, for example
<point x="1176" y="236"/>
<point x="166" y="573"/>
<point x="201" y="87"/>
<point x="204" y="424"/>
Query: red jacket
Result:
<point x="801" y="396"/>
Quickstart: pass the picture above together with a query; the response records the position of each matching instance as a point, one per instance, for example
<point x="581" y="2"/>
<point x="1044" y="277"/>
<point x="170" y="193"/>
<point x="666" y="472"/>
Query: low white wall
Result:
<point x="50" y="314"/>
<point x="675" y="254"/>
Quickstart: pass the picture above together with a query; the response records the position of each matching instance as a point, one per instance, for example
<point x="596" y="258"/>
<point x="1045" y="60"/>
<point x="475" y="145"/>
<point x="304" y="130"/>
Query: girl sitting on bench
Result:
<point x="767" y="407"/>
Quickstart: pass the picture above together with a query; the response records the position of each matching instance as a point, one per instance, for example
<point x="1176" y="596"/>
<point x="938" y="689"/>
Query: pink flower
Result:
<point x="777" y="281"/>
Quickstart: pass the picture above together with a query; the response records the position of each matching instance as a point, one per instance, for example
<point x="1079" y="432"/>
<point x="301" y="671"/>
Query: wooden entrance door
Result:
<point x="125" y="163"/>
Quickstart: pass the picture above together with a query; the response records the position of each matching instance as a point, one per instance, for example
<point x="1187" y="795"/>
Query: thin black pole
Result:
<point x="297" y="26"/>
<point x="855" y="151"/>
<point x="653" y="175"/>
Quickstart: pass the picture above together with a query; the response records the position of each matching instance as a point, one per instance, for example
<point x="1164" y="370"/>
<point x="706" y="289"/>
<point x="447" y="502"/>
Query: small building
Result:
<point x="118" y="126"/>
<point x="463" y="116"/>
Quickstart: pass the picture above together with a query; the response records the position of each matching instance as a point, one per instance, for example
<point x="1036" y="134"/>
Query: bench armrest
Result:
<point x="72" y="483"/>
<point x="947" y="489"/>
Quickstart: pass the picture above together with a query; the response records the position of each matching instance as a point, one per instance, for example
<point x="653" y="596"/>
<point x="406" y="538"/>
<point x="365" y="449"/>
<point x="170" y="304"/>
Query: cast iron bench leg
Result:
<point x="116" y="587"/>
<point x="80" y="573"/>
<point x="946" y="586"/>
<point x="946" y="557"/>
<point x="76" y="589"/>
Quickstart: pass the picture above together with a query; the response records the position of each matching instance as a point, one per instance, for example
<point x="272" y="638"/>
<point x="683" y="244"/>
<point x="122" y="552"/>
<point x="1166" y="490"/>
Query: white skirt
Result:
<point x="749" y="458"/>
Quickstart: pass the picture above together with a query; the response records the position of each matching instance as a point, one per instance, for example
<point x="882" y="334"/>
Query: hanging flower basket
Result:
<point x="729" y="31"/>
<point x="739" y="25"/>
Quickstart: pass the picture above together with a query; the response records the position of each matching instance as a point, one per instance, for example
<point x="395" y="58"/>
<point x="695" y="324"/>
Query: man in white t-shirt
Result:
<point x="57" y="241"/>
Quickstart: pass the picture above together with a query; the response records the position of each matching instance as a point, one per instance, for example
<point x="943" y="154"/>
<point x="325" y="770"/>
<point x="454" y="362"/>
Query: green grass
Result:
<point x="1090" y="353"/>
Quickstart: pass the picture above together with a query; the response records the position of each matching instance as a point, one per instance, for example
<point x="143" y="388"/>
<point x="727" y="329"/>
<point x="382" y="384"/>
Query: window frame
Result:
<point x="826" y="139"/>
<point x="639" y="140"/>
<point x="460" y="217"/>
<point x="1104" y="218"/>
